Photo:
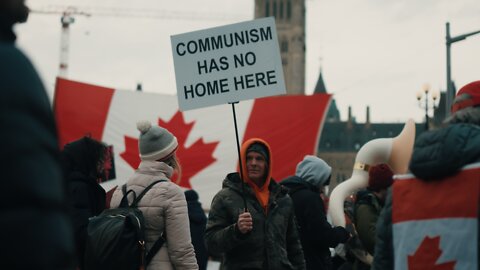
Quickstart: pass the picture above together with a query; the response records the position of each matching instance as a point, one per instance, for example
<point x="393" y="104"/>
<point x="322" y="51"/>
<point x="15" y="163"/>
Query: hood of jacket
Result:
<point x="243" y="154"/>
<point x="195" y="211"/>
<point x="82" y="156"/>
<point x="443" y="152"/>
<point x="261" y="192"/>
<point x="11" y="12"/>
<point x="314" y="170"/>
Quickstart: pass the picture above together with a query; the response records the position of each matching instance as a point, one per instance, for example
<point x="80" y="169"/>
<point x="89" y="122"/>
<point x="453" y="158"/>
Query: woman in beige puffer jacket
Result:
<point x="164" y="206"/>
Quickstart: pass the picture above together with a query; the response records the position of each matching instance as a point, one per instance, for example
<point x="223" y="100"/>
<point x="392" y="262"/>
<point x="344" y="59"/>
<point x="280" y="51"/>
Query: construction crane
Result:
<point x="68" y="14"/>
<point x="66" y="20"/>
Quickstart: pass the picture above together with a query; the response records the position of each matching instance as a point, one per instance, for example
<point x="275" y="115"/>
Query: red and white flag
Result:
<point x="435" y="224"/>
<point x="207" y="145"/>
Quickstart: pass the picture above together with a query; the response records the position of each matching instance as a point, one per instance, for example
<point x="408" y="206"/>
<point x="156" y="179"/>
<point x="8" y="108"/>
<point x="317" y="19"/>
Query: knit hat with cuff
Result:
<point x="467" y="96"/>
<point x="155" y="143"/>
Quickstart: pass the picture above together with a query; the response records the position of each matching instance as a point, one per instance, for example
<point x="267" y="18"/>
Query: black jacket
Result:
<point x="316" y="234"/>
<point x="35" y="229"/>
<point x="198" y="224"/>
<point x="272" y="244"/>
<point x="86" y="196"/>
<point x="436" y="154"/>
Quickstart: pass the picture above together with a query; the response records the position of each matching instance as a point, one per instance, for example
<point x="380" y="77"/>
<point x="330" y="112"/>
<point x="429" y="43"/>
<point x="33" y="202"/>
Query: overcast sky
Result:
<point x="376" y="53"/>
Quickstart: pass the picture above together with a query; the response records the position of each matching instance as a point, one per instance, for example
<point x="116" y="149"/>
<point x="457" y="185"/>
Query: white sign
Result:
<point x="227" y="64"/>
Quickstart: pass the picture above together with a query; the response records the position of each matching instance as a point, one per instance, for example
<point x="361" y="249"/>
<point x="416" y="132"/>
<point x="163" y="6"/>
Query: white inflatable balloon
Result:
<point x="396" y="152"/>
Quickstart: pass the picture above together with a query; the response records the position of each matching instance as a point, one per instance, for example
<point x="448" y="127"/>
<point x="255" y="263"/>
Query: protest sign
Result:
<point x="227" y="64"/>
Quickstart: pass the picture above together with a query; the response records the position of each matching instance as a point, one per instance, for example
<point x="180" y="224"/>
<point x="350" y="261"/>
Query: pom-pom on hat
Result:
<point x="471" y="97"/>
<point x="379" y="177"/>
<point x="155" y="143"/>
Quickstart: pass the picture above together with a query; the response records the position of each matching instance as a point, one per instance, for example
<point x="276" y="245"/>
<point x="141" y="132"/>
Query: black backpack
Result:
<point x="115" y="238"/>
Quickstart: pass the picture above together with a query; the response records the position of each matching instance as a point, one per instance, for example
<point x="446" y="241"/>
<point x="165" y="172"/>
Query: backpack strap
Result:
<point x="156" y="247"/>
<point x="137" y="199"/>
<point x="162" y="239"/>
<point x="124" y="201"/>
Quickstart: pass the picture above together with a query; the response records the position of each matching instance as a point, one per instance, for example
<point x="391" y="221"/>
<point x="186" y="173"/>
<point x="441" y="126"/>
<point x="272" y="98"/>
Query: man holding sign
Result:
<point x="265" y="235"/>
<point x="251" y="220"/>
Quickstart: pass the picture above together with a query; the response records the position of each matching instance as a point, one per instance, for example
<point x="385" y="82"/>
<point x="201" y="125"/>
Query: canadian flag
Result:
<point x="207" y="143"/>
<point x="435" y="224"/>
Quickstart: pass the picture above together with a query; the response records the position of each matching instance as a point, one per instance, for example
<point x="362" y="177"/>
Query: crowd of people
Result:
<point x="254" y="222"/>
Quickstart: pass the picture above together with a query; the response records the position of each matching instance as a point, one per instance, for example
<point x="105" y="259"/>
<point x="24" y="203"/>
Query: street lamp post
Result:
<point x="448" y="42"/>
<point x="423" y="95"/>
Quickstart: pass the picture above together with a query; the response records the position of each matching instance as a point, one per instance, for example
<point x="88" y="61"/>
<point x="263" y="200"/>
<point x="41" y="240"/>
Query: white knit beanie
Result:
<point x="155" y="143"/>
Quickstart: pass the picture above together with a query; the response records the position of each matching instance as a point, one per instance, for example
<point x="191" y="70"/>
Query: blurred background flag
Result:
<point x="291" y="124"/>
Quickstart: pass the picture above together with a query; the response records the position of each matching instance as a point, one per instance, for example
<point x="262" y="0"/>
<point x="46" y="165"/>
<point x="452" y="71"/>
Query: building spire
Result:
<point x="320" y="86"/>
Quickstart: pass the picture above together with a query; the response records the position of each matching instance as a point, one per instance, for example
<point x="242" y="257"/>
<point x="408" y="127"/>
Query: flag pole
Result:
<point x="239" y="157"/>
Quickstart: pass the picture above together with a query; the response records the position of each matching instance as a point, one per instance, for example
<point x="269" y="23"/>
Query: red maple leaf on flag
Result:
<point x="131" y="154"/>
<point x="192" y="159"/>
<point x="426" y="256"/>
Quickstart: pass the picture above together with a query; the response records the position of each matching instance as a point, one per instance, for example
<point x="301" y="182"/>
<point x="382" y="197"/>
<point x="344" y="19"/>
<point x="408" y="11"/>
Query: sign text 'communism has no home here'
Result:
<point x="227" y="64"/>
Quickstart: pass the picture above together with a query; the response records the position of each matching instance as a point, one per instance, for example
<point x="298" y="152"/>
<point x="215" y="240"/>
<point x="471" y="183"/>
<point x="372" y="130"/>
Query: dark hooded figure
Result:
<point x="83" y="162"/>
<point x="316" y="234"/>
<point x="35" y="230"/>
<point x="198" y="223"/>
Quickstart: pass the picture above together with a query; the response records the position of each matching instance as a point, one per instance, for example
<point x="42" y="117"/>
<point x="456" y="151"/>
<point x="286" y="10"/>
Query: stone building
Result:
<point x="341" y="140"/>
<point x="290" y="20"/>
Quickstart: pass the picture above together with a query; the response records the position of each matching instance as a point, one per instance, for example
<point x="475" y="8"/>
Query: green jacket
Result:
<point x="272" y="244"/>
<point x="367" y="210"/>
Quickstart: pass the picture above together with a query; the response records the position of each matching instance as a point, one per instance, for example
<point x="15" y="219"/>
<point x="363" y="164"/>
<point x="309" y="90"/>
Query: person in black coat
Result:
<point x="83" y="164"/>
<point x="198" y="223"/>
<point x="35" y="228"/>
<point x="316" y="234"/>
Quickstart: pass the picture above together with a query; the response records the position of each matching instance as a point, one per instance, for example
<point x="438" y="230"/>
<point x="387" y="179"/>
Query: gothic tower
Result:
<point x="290" y="20"/>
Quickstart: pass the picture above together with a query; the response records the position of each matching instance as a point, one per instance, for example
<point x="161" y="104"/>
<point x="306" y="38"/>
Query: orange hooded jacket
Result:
<point x="262" y="193"/>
